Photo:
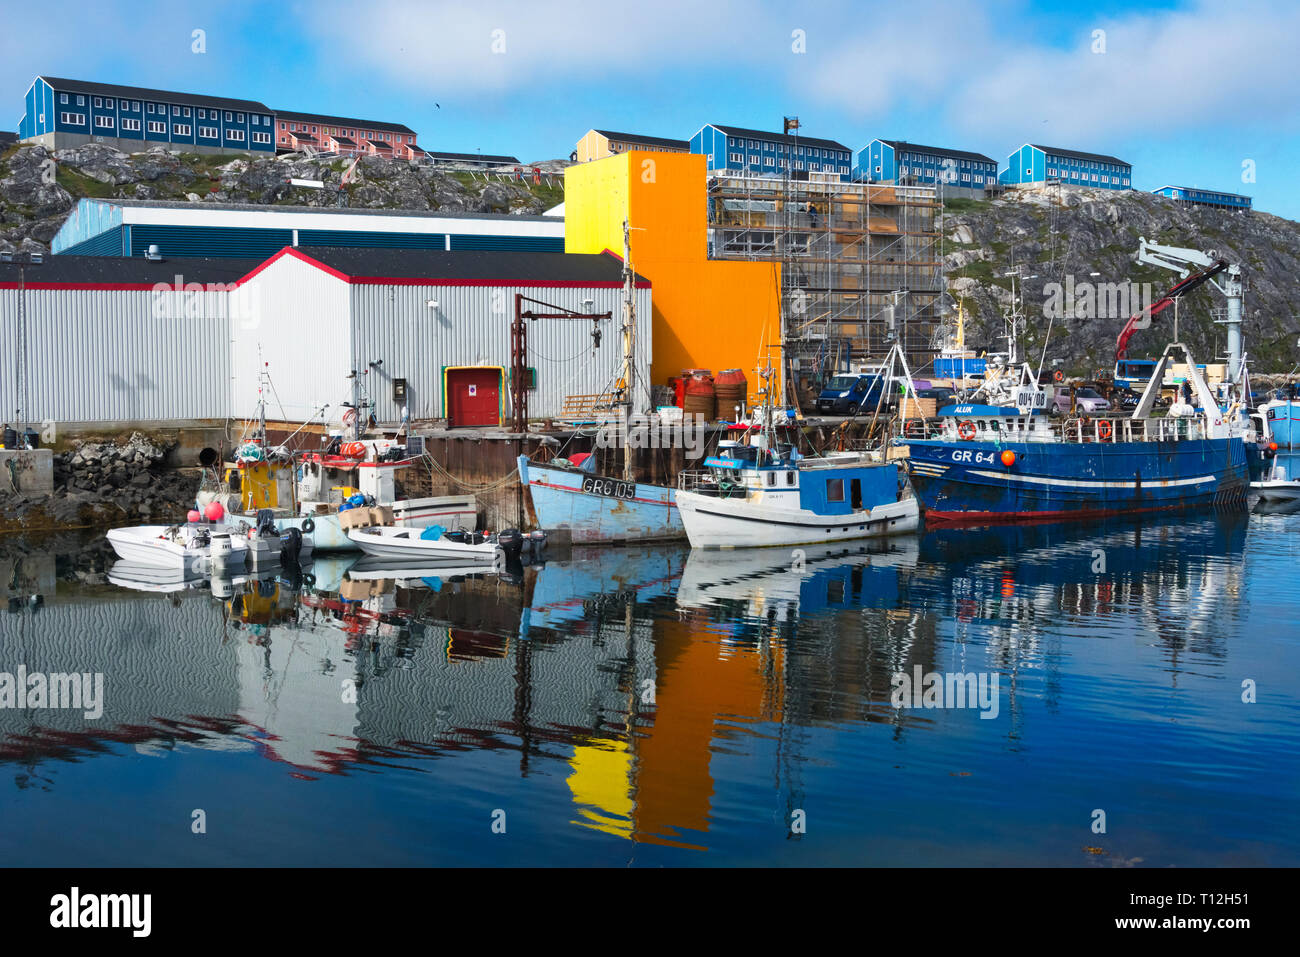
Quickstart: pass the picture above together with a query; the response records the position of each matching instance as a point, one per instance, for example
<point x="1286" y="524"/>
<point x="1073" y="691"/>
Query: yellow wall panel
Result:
<point x="710" y="314"/>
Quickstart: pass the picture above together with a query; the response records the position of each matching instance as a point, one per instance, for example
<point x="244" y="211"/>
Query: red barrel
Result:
<point x="731" y="388"/>
<point x="699" y="397"/>
<point x="678" y="385"/>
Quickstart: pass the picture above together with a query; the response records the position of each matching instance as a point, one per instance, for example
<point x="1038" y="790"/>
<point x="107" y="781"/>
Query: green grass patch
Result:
<point x="964" y="204"/>
<point x="79" y="185"/>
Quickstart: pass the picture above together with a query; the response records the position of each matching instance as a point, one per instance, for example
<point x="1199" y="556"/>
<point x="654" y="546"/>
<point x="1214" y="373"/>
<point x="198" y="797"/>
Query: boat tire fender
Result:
<point x="309" y="525"/>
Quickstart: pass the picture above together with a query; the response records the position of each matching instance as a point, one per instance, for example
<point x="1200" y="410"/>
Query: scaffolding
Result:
<point x="861" y="264"/>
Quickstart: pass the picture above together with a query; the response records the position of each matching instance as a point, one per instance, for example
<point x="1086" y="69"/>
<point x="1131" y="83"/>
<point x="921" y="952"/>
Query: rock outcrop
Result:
<point x="38" y="187"/>
<point x="1089" y="236"/>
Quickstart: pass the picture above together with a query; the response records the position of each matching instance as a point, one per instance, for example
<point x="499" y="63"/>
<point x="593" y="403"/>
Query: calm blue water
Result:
<point x="654" y="707"/>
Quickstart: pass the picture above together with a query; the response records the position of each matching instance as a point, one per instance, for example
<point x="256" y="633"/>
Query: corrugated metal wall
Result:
<point x="236" y="242"/>
<point x="116" y="355"/>
<point x="297" y="316"/>
<point x="471" y="326"/>
<point x="352" y="237"/>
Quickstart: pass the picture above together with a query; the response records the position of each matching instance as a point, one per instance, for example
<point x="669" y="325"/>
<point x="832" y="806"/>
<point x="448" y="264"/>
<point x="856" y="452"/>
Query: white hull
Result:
<point x="1275" y="490"/>
<point x="715" y="522"/>
<point x="452" y="512"/>
<point x="405" y="545"/>
<point x="149" y="545"/>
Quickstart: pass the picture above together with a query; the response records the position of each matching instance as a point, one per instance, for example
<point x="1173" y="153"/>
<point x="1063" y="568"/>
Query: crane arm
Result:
<point x="1183" y="286"/>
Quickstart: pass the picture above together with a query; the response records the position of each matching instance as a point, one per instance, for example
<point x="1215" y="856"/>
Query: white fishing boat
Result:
<point x="305" y="489"/>
<point x="766" y="494"/>
<point x="418" y="546"/>
<point x="1279" y="480"/>
<point x="193" y="546"/>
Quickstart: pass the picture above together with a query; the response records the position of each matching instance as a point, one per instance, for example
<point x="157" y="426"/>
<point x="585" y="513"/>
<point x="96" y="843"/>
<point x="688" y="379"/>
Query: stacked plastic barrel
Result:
<point x="731" y="389"/>
<point x="699" y="393"/>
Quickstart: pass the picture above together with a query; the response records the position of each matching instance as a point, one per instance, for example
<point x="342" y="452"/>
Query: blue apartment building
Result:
<point x="60" y="113"/>
<point x="732" y="150"/>
<point x="1033" y="164"/>
<point x="1194" y="196"/>
<point x="904" y="163"/>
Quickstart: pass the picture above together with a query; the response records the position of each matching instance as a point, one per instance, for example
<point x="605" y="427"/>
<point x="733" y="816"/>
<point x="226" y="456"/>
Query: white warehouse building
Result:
<point x="123" y="341"/>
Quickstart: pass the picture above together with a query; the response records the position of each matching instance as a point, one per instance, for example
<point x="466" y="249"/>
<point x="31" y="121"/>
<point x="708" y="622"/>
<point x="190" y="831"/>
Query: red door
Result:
<point x="474" y="397"/>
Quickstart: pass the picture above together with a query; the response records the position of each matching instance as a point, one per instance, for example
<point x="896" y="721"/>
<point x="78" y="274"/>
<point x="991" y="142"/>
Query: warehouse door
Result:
<point x="473" y="397"/>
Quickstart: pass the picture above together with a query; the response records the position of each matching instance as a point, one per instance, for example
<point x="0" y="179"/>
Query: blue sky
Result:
<point x="1187" y="92"/>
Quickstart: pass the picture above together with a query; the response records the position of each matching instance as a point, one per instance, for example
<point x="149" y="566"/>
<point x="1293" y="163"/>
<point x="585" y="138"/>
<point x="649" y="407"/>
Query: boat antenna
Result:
<point x="629" y="346"/>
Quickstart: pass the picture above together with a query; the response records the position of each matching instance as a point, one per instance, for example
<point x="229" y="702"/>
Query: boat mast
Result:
<point x="629" y="346"/>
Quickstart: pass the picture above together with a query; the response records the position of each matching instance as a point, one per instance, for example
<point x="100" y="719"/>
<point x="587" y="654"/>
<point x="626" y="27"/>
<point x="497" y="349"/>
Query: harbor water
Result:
<point x="1134" y="700"/>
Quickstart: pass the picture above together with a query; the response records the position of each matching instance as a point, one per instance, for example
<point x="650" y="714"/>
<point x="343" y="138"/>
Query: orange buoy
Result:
<point x="1008" y="458"/>
<point x="353" y="450"/>
<point x="1272" y="446"/>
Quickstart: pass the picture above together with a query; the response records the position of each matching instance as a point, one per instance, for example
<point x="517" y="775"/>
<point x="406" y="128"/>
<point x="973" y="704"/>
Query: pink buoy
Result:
<point x="193" y="516"/>
<point x="214" y="512"/>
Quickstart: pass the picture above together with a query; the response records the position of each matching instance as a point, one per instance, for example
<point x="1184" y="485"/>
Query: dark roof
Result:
<point x="780" y="137"/>
<point x="939" y="151"/>
<point x="7" y="137"/>
<point x="1080" y="155"/>
<point x="165" y="96"/>
<point x="648" y="140"/>
<point x="380" y="143"/>
<point x="133" y="271"/>
<point x="300" y="135"/>
<point x="322" y="119"/>
<point x="1199" y="189"/>
<point x="499" y="265"/>
<point x="484" y="157"/>
<point x="342" y="139"/>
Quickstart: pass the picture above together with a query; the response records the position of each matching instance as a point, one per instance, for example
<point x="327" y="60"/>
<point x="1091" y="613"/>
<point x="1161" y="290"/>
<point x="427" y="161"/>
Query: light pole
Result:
<point x="21" y="415"/>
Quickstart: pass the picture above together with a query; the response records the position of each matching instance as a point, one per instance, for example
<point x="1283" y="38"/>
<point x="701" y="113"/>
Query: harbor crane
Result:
<point x="1195" y="268"/>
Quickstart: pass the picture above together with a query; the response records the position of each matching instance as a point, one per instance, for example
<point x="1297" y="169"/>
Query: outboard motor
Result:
<point x="221" y="549"/>
<point x="265" y="522"/>
<point x="290" y="546"/>
<point x="537" y="542"/>
<point x="512" y="543"/>
<point x="458" y="536"/>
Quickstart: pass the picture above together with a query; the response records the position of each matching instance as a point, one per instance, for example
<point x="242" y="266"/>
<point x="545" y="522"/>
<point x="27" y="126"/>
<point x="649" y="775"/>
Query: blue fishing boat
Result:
<point x="576" y="505"/>
<point x="1280" y="478"/>
<point x="1008" y="463"/>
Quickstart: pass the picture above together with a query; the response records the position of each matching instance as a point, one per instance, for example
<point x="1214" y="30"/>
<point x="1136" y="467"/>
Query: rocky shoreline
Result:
<point x="99" y="484"/>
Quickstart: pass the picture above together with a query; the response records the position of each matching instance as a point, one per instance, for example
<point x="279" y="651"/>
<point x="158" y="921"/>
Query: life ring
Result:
<point x="966" y="431"/>
<point x="309" y="524"/>
<point x="1104" y="430"/>
<point x="1058" y="376"/>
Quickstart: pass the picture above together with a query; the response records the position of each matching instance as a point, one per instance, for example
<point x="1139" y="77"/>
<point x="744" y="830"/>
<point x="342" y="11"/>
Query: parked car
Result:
<point x="1085" y="400"/>
<point x="942" y="395"/>
<point x="851" y="394"/>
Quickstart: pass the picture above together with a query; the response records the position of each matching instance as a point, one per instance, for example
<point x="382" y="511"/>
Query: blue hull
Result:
<point x="582" y="508"/>
<point x="967" y="482"/>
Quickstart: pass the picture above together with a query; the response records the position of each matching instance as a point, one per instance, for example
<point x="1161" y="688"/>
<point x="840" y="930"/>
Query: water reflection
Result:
<point x="675" y="697"/>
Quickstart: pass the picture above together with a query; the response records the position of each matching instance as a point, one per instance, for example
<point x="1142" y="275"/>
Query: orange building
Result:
<point x="708" y="314"/>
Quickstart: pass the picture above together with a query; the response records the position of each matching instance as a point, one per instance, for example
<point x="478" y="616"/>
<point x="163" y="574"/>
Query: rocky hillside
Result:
<point x="38" y="188"/>
<point x="1053" y="235"/>
<point x="1078" y="232"/>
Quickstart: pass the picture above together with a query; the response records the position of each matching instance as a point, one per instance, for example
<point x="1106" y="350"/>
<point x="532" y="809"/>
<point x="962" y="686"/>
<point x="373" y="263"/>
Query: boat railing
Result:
<point x="1078" y="430"/>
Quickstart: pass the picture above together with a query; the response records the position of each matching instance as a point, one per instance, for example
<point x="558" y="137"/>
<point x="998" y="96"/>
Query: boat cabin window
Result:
<point x="771" y="478"/>
<point x="835" y="490"/>
<point x="789" y="478"/>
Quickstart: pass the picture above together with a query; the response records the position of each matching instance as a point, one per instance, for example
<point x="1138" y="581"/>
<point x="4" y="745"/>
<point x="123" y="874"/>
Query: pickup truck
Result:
<point x="852" y="393"/>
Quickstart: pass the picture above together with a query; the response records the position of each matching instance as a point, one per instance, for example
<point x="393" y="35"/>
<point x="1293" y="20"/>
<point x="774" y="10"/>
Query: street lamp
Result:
<point x="21" y="415"/>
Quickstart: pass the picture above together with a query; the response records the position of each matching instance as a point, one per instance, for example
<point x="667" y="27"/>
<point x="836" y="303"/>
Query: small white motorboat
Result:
<point x="426" y="546"/>
<point x="194" y="546"/>
<point x="272" y="545"/>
